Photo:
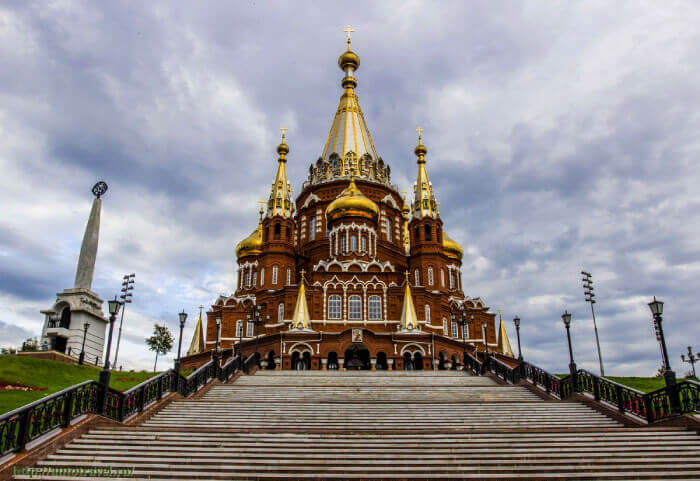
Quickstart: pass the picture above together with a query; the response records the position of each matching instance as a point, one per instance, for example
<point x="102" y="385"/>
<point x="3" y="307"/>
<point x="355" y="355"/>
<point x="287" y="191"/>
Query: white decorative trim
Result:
<point x="309" y="199"/>
<point x="388" y="199"/>
<point x="345" y="265"/>
<point x="417" y="347"/>
<point x="308" y="346"/>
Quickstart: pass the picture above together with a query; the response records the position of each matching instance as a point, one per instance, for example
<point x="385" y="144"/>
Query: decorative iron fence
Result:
<point x="26" y="424"/>
<point x="473" y="363"/>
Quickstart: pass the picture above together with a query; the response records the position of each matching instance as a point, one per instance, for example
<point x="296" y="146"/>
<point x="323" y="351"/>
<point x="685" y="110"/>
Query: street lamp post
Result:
<point x="113" y="306"/>
<point x="81" y="358"/>
<point x="215" y="356"/>
<point x="692" y="359"/>
<point x="516" y="321"/>
<point x="127" y="287"/>
<point x="657" y="309"/>
<point x="566" y="317"/>
<point x="589" y="295"/>
<point x="183" y="318"/>
<point x="486" y="346"/>
<point x="465" y="333"/>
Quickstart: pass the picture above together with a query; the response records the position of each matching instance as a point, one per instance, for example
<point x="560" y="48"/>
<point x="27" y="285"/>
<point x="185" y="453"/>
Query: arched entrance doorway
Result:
<point x="381" y="362"/>
<point x="407" y="362"/>
<point x="417" y="361"/>
<point x="442" y="360"/>
<point x="301" y="361"/>
<point x="270" y="359"/>
<point x="332" y="361"/>
<point x="357" y="357"/>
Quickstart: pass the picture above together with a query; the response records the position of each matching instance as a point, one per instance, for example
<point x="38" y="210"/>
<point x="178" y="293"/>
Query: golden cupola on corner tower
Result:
<point x="424" y="204"/>
<point x="352" y="202"/>
<point x="451" y="248"/>
<point x="280" y="202"/>
<point x="251" y="245"/>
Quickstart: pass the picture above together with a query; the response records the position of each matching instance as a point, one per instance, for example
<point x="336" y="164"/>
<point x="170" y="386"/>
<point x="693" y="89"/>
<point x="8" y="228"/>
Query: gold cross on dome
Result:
<point x="284" y="132"/>
<point x="420" y="134"/>
<point x="348" y="30"/>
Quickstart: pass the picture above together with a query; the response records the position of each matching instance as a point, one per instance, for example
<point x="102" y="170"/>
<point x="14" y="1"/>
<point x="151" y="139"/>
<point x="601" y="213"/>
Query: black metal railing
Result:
<point x="554" y="385"/>
<point x="25" y="424"/>
<point x="473" y="363"/>
<point x="250" y="362"/>
<point x="504" y="371"/>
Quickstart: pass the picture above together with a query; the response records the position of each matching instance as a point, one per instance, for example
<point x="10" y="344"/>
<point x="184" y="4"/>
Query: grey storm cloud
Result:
<point x="560" y="137"/>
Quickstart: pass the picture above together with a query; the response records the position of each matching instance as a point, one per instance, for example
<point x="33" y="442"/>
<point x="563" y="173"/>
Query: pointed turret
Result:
<point x="301" y="318"/>
<point x="409" y="319"/>
<point x="503" y="341"/>
<point x="280" y="202"/>
<point x="197" y="344"/>
<point x="424" y="204"/>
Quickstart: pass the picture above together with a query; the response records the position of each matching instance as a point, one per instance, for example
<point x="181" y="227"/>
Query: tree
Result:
<point x="660" y="372"/>
<point x="161" y="341"/>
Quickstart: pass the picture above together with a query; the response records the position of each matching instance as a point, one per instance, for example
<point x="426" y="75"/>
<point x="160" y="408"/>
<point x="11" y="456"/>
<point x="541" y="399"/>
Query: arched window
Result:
<point x="353" y="243"/>
<point x="280" y="312"/>
<point x="417" y="236"/>
<point x="247" y="277"/>
<point x="416" y="277"/>
<point x="430" y="276"/>
<point x="312" y="228"/>
<point x="342" y="244"/>
<point x="452" y="280"/>
<point x="262" y="276"/>
<point x="444" y="327"/>
<point x="427" y="313"/>
<point x="278" y="231"/>
<point x="388" y="229"/>
<point x="428" y="233"/>
<point x="363" y="244"/>
<point x="250" y="329"/>
<point x="375" y="307"/>
<point x="274" y="275"/>
<point x="442" y="277"/>
<point x="334" y="307"/>
<point x="354" y="307"/>
<point x="289" y="276"/>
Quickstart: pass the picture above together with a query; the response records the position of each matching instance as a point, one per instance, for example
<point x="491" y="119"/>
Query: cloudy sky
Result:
<point x="562" y="136"/>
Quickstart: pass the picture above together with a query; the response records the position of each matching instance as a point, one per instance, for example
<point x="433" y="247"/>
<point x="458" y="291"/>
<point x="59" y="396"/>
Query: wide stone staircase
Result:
<point x="382" y="425"/>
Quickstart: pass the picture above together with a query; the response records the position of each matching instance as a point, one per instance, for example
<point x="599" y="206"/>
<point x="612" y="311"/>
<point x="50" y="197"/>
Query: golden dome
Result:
<point x="251" y="245"/>
<point x="352" y="202"/>
<point x="452" y="248"/>
<point x="349" y="59"/>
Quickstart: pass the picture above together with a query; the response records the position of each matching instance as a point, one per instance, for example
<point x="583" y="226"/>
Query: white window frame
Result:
<point x="247" y="277"/>
<point x="255" y="278"/>
<point x="355" y="307"/>
<point x="416" y="277"/>
<point x="353" y="242"/>
<point x="262" y="277"/>
<point x="427" y="313"/>
<point x="274" y="275"/>
<point x="342" y="244"/>
<point x="334" y="306"/>
<point x="289" y="276"/>
<point x="388" y="229"/>
<point x="239" y="328"/>
<point x="363" y="244"/>
<point x="312" y="228"/>
<point x="250" y="329"/>
<point x="374" y="307"/>
<point x="430" y="276"/>
<point x="442" y="277"/>
<point x="444" y="327"/>
<point x="455" y="331"/>
<point x="465" y="331"/>
<point x="280" y="312"/>
<point x="452" y="279"/>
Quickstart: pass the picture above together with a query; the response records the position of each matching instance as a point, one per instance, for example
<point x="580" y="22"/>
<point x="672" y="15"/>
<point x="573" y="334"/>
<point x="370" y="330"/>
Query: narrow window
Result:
<point x="278" y="231"/>
<point x="239" y="328"/>
<point x="312" y="228"/>
<point x="430" y="276"/>
<point x="442" y="277"/>
<point x="255" y="278"/>
<point x="417" y="236"/>
<point x="428" y="233"/>
<point x="250" y="327"/>
<point x="452" y="279"/>
<point x="388" y="229"/>
<point x="363" y="244"/>
<point x="334" y="307"/>
<point x="280" y="312"/>
<point x="289" y="276"/>
<point x="247" y="277"/>
<point x="274" y="275"/>
<point x="353" y="243"/>
<point x="262" y="277"/>
<point x="444" y="327"/>
<point x="375" y="308"/>
<point x="416" y="277"/>
<point x="454" y="329"/>
<point x="427" y="313"/>
<point x="342" y="244"/>
<point x="465" y="331"/>
<point x="354" y="307"/>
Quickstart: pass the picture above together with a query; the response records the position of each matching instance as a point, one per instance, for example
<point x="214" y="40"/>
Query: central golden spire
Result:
<point x="349" y="132"/>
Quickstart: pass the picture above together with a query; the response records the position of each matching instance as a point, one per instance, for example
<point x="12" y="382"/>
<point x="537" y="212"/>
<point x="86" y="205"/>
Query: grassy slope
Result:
<point x="54" y="376"/>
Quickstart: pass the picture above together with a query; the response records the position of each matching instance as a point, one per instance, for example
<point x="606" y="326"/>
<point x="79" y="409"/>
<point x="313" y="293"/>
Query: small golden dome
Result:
<point x="352" y="202"/>
<point x="251" y="245"/>
<point x="452" y="249"/>
<point x="282" y="149"/>
<point x="349" y="59"/>
<point x="420" y="150"/>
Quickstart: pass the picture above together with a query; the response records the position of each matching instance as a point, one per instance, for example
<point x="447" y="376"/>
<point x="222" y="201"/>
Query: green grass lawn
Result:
<point x="643" y="384"/>
<point x="54" y="376"/>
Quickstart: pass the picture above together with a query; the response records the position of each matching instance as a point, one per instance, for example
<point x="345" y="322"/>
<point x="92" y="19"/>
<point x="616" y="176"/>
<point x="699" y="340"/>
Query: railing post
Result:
<point x="23" y="430"/>
<point x="547" y="383"/>
<point x="649" y="408"/>
<point x="67" y="409"/>
<point x="620" y="400"/>
<point x="596" y="388"/>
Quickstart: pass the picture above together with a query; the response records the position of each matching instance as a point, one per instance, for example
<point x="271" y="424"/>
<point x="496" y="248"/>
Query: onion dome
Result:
<point x="348" y="59"/>
<point x="251" y="245"/>
<point x="352" y="202"/>
<point x="452" y="249"/>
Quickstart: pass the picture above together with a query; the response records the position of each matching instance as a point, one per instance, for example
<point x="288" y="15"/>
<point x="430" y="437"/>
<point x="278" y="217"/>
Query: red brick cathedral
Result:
<point x="348" y="275"/>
